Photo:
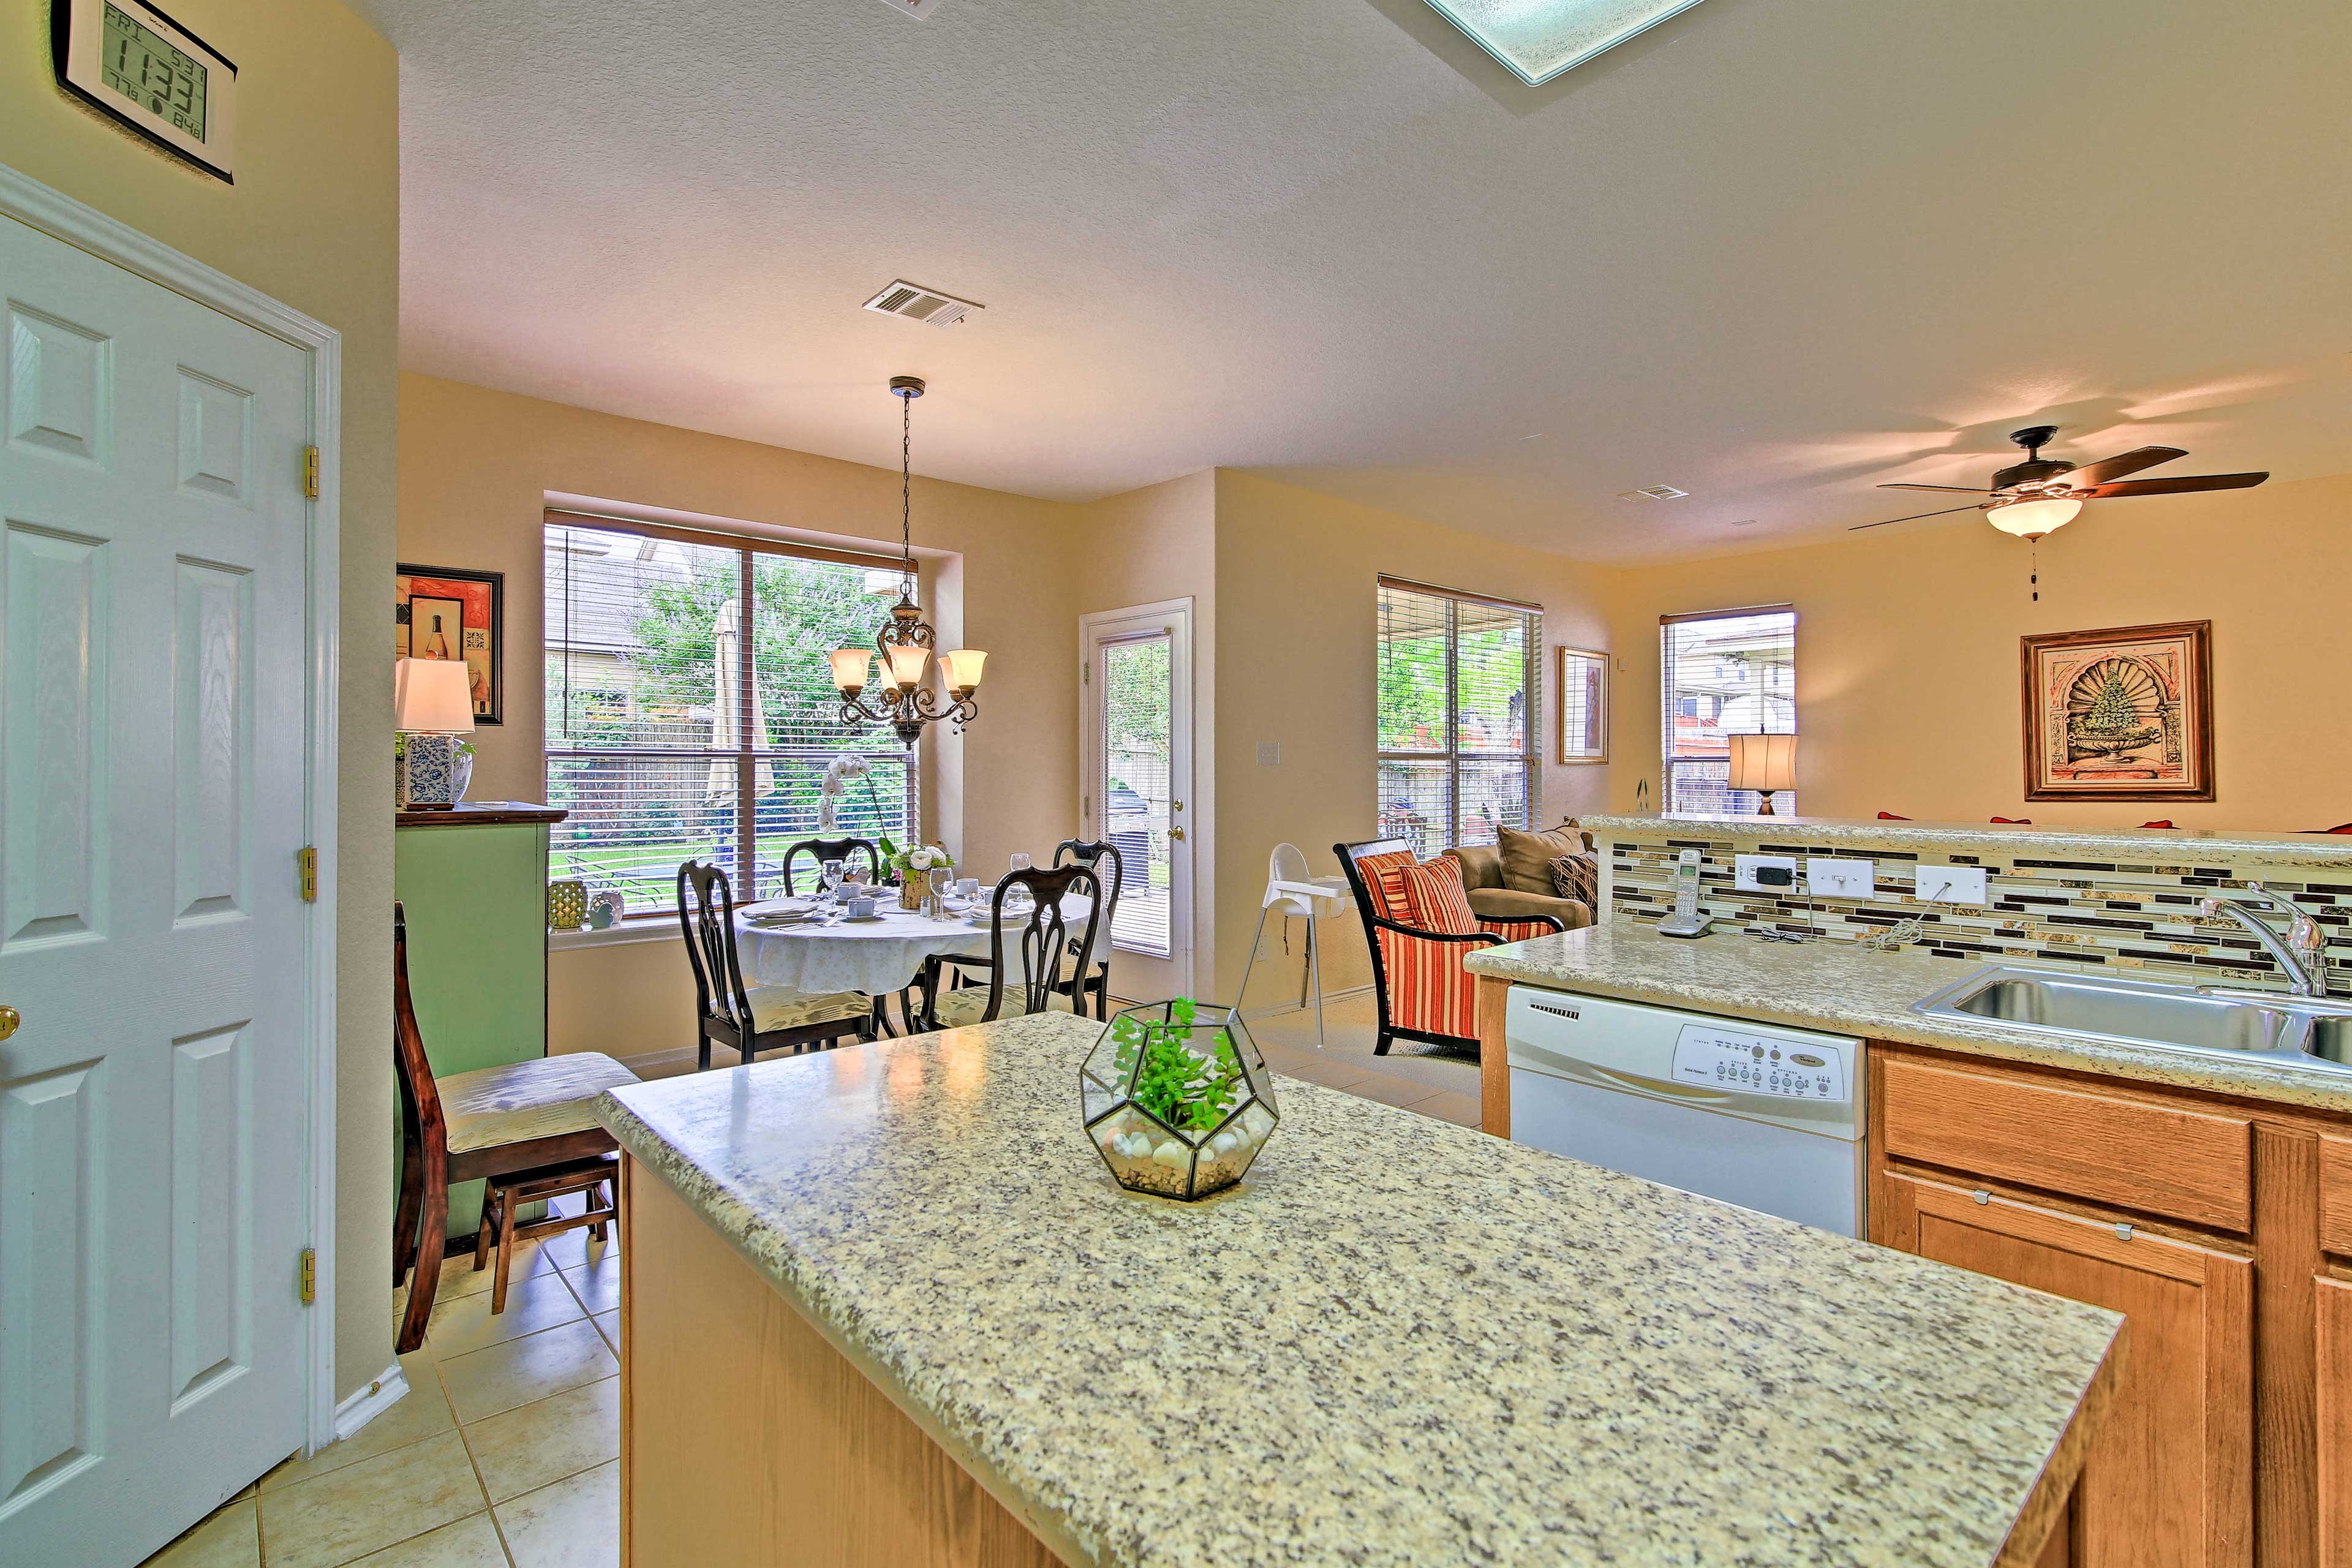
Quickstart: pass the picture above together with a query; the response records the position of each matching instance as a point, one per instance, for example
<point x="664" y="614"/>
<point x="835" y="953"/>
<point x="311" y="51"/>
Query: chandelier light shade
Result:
<point x="903" y="702"/>
<point x="2032" y="519"/>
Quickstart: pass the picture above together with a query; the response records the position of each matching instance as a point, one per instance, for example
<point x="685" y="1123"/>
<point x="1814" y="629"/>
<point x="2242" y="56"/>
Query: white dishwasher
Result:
<point x="1760" y="1115"/>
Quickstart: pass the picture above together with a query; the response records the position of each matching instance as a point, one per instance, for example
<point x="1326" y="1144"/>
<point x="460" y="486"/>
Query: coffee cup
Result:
<point x="861" y="906"/>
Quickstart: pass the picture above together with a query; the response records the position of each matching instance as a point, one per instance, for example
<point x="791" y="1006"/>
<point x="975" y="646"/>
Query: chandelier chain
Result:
<point x="906" y="492"/>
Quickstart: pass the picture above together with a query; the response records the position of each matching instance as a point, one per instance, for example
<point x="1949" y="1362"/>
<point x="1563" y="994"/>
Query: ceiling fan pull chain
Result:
<point x="2033" y="555"/>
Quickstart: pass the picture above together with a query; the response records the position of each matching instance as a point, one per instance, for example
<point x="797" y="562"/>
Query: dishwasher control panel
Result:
<point x="1717" y="1056"/>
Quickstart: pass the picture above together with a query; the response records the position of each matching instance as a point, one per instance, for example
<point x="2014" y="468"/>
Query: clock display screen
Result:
<point x="143" y="66"/>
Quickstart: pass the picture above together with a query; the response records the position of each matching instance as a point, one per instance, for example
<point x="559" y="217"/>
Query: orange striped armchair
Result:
<point x="1424" y="993"/>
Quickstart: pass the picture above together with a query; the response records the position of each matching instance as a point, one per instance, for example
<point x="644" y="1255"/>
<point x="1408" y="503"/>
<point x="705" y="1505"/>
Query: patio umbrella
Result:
<point x="727" y="712"/>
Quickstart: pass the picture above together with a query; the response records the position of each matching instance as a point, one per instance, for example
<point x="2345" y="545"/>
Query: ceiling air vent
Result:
<point x="918" y="303"/>
<point x="1652" y="492"/>
<point x="918" y="8"/>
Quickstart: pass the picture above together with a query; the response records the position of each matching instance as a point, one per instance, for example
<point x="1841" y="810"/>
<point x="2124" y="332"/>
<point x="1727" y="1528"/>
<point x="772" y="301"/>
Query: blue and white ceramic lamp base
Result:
<point x="432" y="771"/>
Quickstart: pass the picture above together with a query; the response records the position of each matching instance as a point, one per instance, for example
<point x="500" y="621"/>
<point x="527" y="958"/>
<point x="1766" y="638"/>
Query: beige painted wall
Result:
<point x="1297" y="618"/>
<point x="475" y="468"/>
<point x="313" y="221"/>
<point x="1907" y="662"/>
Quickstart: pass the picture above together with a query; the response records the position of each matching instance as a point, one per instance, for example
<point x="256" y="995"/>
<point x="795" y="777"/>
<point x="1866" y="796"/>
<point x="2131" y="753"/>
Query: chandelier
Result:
<point x="907" y="701"/>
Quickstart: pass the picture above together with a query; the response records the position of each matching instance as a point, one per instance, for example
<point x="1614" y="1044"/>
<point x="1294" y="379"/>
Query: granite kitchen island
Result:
<point x="884" y="1304"/>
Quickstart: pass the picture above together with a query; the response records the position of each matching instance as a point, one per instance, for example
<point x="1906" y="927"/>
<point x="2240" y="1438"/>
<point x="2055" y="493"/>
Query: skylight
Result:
<point x="1538" y="39"/>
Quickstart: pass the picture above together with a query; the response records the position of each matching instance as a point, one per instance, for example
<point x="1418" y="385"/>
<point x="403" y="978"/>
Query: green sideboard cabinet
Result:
<point x="473" y="880"/>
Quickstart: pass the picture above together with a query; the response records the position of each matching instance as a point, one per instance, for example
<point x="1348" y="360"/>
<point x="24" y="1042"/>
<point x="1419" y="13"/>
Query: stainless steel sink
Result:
<point x="2305" y="1031"/>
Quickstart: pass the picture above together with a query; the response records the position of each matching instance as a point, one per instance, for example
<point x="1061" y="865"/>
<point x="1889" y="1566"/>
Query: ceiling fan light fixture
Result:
<point x="2032" y="519"/>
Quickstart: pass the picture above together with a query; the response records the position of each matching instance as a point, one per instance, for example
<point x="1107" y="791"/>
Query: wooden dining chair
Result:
<point x="526" y="1126"/>
<point x="748" y="1020"/>
<point x="1080" y="852"/>
<point x="845" y="850"/>
<point x="1044" y="941"/>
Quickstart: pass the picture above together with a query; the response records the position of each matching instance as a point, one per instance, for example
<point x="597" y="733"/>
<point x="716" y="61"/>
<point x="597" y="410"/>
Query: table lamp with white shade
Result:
<point x="432" y="705"/>
<point x="1763" y="764"/>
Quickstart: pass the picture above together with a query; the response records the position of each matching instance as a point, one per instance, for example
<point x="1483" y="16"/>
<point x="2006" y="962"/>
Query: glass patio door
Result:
<point x="1137" y="788"/>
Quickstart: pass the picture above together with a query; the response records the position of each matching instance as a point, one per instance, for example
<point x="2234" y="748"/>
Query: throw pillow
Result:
<point x="1577" y="876"/>
<point x="1434" y="898"/>
<point x="1528" y="856"/>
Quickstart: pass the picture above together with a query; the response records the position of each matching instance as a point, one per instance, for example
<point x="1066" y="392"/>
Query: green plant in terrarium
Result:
<point x="1177" y="1098"/>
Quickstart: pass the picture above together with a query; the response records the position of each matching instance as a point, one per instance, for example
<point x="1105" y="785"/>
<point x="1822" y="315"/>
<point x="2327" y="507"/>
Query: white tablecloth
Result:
<point x="877" y="957"/>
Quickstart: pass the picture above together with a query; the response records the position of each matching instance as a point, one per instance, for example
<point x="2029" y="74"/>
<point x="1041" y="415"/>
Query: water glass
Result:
<point x="831" y="875"/>
<point x="1020" y="862"/>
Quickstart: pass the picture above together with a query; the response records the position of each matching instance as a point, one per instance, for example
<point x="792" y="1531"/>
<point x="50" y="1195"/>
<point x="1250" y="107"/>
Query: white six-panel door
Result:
<point x="152" y="1123"/>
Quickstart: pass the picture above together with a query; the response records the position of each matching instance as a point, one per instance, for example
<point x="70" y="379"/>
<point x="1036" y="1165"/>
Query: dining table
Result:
<point x="802" y="945"/>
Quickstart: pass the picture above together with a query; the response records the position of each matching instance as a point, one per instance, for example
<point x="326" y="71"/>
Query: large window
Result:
<point x="1456" y="704"/>
<point x="687" y="695"/>
<point x="1732" y="672"/>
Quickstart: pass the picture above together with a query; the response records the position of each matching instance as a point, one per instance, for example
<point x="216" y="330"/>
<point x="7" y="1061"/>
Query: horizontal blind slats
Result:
<point x="647" y="709"/>
<point x="1725" y="674"/>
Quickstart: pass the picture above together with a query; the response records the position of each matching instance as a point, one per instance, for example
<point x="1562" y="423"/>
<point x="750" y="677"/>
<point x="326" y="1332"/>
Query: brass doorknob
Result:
<point x="8" y="1022"/>
<point x="1172" y="833"/>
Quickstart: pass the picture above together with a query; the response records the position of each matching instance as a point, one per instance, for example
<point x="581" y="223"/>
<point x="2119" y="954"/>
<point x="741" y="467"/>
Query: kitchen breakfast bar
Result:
<point x="885" y="1305"/>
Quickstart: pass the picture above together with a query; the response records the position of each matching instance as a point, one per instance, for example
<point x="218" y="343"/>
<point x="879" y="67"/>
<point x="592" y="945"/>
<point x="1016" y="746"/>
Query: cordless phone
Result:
<point x="1686" y="920"/>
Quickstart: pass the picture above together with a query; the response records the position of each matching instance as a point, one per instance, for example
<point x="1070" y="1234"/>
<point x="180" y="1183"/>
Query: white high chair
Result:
<point x="1292" y="890"/>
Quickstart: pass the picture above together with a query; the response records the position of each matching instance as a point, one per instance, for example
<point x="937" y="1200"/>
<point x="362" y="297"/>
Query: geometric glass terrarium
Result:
<point x="1177" y="1099"/>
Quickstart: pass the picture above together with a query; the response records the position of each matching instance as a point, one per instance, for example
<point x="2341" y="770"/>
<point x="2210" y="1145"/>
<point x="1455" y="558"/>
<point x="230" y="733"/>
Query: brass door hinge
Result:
<point x="306" y="873"/>
<point x="310" y="473"/>
<point x="310" y="1275"/>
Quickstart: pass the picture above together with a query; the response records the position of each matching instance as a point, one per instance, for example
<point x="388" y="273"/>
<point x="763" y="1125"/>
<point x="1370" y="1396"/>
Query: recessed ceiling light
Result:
<point x="914" y="7"/>
<point x="1538" y="39"/>
<point x="1652" y="492"/>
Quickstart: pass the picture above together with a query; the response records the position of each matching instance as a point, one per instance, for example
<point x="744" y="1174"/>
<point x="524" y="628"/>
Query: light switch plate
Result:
<point x="1952" y="884"/>
<point x="1745" y="867"/>
<point x="1270" y="754"/>
<point x="1832" y="877"/>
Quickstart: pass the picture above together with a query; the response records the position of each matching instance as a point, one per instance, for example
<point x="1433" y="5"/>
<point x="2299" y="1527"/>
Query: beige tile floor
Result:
<point x="505" y="1453"/>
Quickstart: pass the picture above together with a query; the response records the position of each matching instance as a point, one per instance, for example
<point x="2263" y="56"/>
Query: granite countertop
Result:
<point x="1398" y="1342"/>
<point x="2159" y="847"/>
<point x="1841" y="988"/>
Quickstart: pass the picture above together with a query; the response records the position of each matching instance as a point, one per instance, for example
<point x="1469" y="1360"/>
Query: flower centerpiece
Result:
<point x="914" y="867"/>
<point x="1177" y="1098"/>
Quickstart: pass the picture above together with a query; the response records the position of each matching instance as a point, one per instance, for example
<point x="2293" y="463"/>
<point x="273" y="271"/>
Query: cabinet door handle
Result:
<point x="1981" y="1196"/>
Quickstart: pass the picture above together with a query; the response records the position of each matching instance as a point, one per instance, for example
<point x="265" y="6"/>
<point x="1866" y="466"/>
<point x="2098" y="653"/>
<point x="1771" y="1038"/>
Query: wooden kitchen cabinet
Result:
<point x="2170" y="1477"/>
<point x="2231" y="1441"/>
<point x="2334" y="1387"/>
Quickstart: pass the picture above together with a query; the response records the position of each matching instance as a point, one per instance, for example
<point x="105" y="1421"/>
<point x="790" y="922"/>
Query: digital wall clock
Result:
<point x="133" y="63"/>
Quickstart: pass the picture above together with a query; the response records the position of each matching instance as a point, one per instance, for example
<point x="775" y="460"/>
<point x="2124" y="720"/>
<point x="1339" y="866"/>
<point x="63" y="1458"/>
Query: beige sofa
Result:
<point x="1503" y="879"/>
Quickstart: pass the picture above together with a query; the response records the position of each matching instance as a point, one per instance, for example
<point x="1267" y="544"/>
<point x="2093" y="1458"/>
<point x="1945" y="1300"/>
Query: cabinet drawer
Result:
<point x="2335" y="1194"/>
<point x="2193" y="1165"/>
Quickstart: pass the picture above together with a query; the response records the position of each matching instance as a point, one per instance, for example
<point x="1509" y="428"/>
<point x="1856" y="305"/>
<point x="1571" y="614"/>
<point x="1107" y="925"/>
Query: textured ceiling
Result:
<point x="1770" y="253"/>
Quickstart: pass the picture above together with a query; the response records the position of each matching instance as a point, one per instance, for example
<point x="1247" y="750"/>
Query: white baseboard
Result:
<point x="366" y="1404"/>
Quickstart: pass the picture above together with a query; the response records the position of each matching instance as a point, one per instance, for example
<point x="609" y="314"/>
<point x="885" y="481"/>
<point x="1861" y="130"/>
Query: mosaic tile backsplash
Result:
<point x="2122" y="915"/>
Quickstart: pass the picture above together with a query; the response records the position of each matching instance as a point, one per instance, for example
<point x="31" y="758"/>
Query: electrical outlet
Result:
<point x="1952" y="884"/>
<point x="1765" y="873"/>
<point x="1830" y="877"/>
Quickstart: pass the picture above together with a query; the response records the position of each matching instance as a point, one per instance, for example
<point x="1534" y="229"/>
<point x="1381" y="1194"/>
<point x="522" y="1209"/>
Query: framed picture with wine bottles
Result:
<point x="446" y="612"/>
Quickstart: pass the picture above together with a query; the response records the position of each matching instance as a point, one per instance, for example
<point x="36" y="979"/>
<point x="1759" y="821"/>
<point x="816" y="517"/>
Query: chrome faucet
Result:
<point x="2302" y="952"/>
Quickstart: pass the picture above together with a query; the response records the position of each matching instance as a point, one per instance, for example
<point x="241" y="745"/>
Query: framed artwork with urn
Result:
<point x="2122" y="714"/>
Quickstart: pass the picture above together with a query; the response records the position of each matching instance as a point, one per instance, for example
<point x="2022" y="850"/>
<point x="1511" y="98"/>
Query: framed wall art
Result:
<point x="440" y="612"/>
<point x="1582" y="706"/>
<point x="2125" y="713"/>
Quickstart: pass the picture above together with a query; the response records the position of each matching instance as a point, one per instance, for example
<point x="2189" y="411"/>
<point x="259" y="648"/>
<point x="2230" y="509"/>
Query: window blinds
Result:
<point x="1455" y="683"/>
<point x="1727" y="673"/>
<point x="687" y="695"/>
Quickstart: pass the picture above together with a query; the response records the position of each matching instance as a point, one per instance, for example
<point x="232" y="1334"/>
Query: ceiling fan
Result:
<point x="2038" y="496"/>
